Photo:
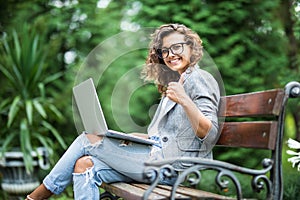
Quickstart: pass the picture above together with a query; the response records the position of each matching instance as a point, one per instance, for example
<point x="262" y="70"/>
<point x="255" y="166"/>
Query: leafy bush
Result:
<point x="26" y="108"/>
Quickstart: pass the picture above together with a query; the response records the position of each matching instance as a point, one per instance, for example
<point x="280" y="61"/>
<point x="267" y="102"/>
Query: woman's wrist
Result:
<point x="185" y="101"/>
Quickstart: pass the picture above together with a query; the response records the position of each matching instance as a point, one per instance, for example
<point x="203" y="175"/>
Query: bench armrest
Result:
<point x="293" y="89"/>
<point x="158" y="169"/>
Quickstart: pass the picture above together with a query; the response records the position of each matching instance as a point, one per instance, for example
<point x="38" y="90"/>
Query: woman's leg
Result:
<point x="61" y="175"/>
<point x="111" y="160"/>
<point x="89" y="173"/>
<point x="124" y="157"/>
<point x="41" y="192"/>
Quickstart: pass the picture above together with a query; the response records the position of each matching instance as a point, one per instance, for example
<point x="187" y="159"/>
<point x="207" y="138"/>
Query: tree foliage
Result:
<point x="239" y="36"/>
<point x="255" y="44"/>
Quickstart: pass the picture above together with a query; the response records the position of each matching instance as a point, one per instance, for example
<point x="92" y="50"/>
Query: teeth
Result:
<point x="174" y="61"/>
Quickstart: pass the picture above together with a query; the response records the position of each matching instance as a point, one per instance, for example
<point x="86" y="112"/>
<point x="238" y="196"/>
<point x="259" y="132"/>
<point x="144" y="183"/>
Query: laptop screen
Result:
<point x="89" y="107"/>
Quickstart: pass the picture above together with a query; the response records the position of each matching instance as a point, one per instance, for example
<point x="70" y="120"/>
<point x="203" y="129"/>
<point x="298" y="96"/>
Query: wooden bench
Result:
<point x="253" y="120"/>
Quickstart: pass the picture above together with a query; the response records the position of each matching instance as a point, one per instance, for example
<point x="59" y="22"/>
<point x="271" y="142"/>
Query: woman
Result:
<point x="185" y="122"/>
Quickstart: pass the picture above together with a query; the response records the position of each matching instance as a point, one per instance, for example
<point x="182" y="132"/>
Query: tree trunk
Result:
<point x="292" y="50"/>
<point x="297" y="122"/>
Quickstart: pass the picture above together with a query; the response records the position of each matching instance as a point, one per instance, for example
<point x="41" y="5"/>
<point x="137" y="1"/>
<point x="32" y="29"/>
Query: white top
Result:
<point x="156" y="152"/>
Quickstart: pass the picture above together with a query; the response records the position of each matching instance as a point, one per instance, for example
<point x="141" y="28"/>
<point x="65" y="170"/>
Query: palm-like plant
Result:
<point x="26" y="107"/>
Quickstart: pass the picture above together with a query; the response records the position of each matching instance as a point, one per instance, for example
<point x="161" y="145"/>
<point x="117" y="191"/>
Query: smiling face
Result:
<point x="176" y="61"/>
<point x="173" y="48"/>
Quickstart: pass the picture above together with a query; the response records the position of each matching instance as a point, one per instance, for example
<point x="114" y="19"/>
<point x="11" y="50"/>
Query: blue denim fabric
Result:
<point x="126" y="158"/>
<point x="114" y="161"/>
<point x="61" y="175"/>
<point x="86" y="184"/>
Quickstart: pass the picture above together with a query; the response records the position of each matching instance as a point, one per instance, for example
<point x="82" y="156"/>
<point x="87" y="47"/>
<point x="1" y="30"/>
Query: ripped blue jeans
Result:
<point x="113" y="160"/>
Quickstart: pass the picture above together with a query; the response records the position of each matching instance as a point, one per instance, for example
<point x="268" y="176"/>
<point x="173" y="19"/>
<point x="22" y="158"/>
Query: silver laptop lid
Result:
<point x="89" y="108"/>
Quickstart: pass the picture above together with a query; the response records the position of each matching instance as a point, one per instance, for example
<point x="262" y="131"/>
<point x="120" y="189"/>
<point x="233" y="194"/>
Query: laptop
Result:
<point x="92" y="116"/>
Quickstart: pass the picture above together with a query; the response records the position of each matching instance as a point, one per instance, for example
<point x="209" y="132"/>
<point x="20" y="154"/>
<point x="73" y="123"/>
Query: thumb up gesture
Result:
<point x="175" y="91"/>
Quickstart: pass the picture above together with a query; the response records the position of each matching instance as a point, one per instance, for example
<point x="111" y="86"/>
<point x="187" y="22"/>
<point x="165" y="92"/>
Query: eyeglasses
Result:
<point x="175" y="49"/>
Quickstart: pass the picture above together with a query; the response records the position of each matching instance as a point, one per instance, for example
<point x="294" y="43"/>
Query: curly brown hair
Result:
<point x="155" y="68"/>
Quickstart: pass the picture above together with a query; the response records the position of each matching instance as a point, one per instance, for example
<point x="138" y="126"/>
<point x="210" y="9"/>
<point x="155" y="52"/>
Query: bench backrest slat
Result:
<point x="265" y="103"/>
<point x="261" y="108"/>
<point x="249" y="134"/>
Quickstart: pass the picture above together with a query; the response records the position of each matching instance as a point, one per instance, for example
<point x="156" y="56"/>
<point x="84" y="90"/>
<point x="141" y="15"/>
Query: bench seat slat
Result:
<point x="162" y="191"/>
<point x="195" y="193"/>
<point x="261" y="134"/>
<point x="128" y="191"/>
<point x="136" y="190"/>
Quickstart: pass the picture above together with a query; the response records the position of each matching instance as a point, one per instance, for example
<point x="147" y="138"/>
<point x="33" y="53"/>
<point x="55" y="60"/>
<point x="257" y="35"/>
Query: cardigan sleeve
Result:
<point x="203" y="89"/>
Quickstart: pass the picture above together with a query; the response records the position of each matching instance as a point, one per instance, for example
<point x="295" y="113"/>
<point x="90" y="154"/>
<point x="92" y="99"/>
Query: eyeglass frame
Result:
<point x="160" y="52"/>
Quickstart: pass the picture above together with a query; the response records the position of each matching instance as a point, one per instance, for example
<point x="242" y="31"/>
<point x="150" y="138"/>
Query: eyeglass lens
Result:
<point x="175" y="49"/>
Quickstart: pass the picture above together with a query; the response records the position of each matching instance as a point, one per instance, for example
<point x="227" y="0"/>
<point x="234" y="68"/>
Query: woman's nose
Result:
<point x="171" y="54"/>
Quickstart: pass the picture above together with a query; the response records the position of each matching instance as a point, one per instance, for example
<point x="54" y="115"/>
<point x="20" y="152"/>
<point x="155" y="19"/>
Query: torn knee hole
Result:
<point x="83" y="164"/>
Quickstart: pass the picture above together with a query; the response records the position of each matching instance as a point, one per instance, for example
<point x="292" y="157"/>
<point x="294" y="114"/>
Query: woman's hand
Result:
<point x="175" y="91"/>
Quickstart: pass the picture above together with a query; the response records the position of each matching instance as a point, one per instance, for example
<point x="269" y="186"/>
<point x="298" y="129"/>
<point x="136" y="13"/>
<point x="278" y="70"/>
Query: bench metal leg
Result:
<point x="108" y="196"/>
